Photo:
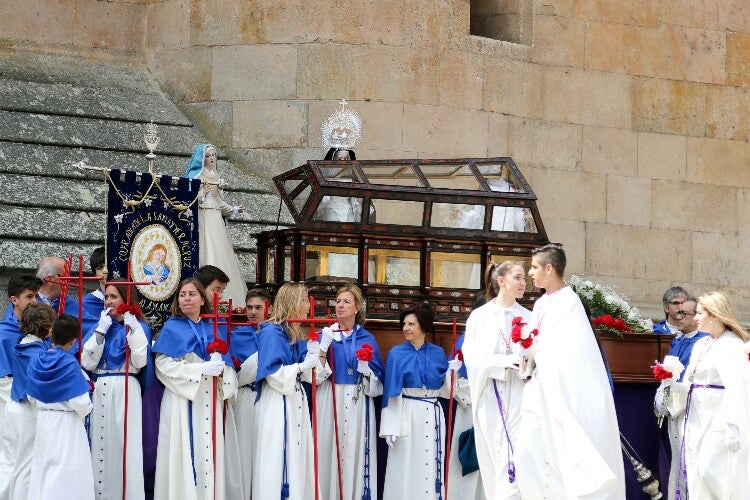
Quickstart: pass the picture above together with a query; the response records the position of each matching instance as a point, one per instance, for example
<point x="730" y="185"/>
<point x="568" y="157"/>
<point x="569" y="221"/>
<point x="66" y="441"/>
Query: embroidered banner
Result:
<point x="154" y="227"/>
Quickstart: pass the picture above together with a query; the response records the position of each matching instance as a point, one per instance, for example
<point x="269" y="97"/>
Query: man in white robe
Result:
<point x="568" y="443"/>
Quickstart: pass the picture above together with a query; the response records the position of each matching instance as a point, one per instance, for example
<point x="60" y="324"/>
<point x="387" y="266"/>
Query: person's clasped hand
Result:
<point x="455" y="364"/>
<point x="105" y="321"/>
<point x="363" y="367"/>
<point x="327" y="339"/>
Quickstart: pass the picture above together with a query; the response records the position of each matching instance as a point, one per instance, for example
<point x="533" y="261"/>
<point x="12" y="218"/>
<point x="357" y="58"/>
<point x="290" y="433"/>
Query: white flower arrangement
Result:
<point x="603" y="300"/>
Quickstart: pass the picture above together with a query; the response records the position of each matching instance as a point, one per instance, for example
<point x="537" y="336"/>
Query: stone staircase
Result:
<point x="56" y="111"/>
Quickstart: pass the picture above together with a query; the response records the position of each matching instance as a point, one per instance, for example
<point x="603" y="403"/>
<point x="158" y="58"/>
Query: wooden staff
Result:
<point x="449" y="432"/>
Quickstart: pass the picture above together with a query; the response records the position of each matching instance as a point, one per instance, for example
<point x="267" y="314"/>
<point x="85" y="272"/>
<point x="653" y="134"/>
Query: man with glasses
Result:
<point x="666" y="403"/>
<point x="671" y="301"/>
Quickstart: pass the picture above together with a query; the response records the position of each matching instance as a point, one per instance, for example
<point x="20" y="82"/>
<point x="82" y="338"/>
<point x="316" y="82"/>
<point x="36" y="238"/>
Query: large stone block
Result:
<point x="638" y="252"/>
<point x="269" y="124"/>
<point x="738" y="59"/>
<point x="106" y="25"/>
<point x="634" y="12"/>
<point x="662" y="156"/>
<point x="705" y="56"/>
<point x="498" y="135"/>
<point x="694" y="14"/>
<point x="726" y="110"/>
<point x="628" y="201"/>
<point x="545" y="144"/>
<point x="382" y="123"/>
<point x="265" y="163"/>
<point x="568" y="195"/>
<point x="236" y="22"/>
<point x="714" y="161"/>
<point x="610" y="151"/>
<point x="572" y="235"/>
<point x="461" y="80"/>
<point x="590" y="98"/>
<point x="721" y="259"/>
<point x="249" y="72"/>
<point x="168" y="25"/>
<point x="435" y="24"/>
<point x="605" y="50"/>
<point x="643" y="293"/>
<point x="743" y="204"/>
<point x="215" y="118"/>
<point x="657" y="52"/>
<point x="511" y="87"/>
<point x="562" y="8"/>
<point x="669" y="106"/>
<point x="694" y="207"/>
<point x="559" y="41"/>
<point x="446" y="131"/>
<point x="184" y="74"/>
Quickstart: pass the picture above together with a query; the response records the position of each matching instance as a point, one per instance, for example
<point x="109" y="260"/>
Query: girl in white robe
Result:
<point x="716" y="442"/>
<point x="104" y="356"/>
<point x="284" y="444"/>
<point x="356" y="458"/>
<point x="193" y="367"/>
<point x="492" y="363"/>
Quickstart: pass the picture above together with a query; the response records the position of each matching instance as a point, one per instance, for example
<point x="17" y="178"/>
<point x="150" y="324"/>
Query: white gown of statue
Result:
<point x="189" y="393"/>
<point x="107" y="421"/>
<point x="61" y="440"/>
<point x="215" y="245"/>
<point x="568" y="441"/>
<point x="503" y="218"/>
<point x="486" y="345"/>
<point x="712" y="471"/>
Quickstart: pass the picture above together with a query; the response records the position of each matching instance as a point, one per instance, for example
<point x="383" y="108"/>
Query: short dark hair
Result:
<point x="424" y="314"/>
<point x="208" y="273"/>
<point x="553" y="254"/>
<point x="257" y="292"/>
<point x="20" y="282"/>
<point x="97" y="259"/>
<point x="64" y="329"/>
<point x="37" y="320"/>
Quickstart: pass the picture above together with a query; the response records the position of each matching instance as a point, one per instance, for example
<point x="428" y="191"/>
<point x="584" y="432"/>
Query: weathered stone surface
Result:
<point x="696" y="207"/>
<point x="635" y="12"/>
<point x="726" y="111"/>
<point x="25" y="254"/>
<point x="572" y="235"/>
<point x="559" y="41"/>
<point x="498" y="133"/>
<point x="669" y="106"/>
<point x="694" y="14"/>
<point x="713" y="161"/>
<point x="445" y="131"/>
<point x="185" y="74"/>
<point x="638" y="252"/>
<point x="568" y="195"/>
<point x="743" y="205"/>
<point x="562" y="143"/>
<point x="509" y="87"/>
<point x="605" y="50"/>
<point x="215" y="118"/>
<point x="662" y="156"/>
<point x="43" y="224"/>
<point x="250" y="72"/>
<point x="738" y="59"/>
<point x="169" y="25"/>
<point x="656" y="52"/>
<point x="461" y="80"/>
<point x="269" y="124"/>
<point x="705" y="56"/>
<point x="562" y="8"/>
<point x="623" y="201"/>
<point x="721" y="259"/>
<point x="610" y="151"/>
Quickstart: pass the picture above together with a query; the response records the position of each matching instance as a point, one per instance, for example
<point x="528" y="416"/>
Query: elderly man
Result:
<point x="671" y="301"/>
<point x="49" y="292"/>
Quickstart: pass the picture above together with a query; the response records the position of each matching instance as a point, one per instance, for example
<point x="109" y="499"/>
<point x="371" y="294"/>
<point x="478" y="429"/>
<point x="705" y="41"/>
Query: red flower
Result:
<point x="314" y="336"/>
<point x="218" y="345"/>
<point x="132" y="309"/>
<point x="365" y="353"/>
<point x="660" y="373"/>
<point x="608" y="322"/>
<point x="236" y="362"/>
<point x="517" y="320"/>
<point x="458" y="354"/>
<point x="516" y="334"/>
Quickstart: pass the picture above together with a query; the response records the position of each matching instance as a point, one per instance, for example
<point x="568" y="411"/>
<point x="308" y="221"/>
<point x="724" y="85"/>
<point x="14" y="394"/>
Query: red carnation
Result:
<point x="133" y="309"/>
<point x="218" y="345"/>
<point x="459" y="354"/>
<point x="661" y="373"/>
<point x="365" y="353"/>
<point x="314" y="336"/>
<point x="236" y="362"/>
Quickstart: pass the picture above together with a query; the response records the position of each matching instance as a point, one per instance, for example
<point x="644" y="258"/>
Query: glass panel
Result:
<point x="339" y="173"/>
<point x="516" y="219"/>
<point x="400" y="174"/>
<point x="451" y="177"/>
<point x="526" y="266"/>
<point x="290" y="184"/>
<point x="339" y="209"/>
<point x="401" y="212"/>
<point x="455" y="270"/>
<point x="270" y="258"/>
<point x="501" y="178"/>
<point x="393" y="267"/>
<point x="299" y="201"/>
<point x="457" y="216"/>
<point x="329" y="263"/>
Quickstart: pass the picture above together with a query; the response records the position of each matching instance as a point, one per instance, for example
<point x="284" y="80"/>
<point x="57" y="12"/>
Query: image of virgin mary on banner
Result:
<point x="152" y="225"/>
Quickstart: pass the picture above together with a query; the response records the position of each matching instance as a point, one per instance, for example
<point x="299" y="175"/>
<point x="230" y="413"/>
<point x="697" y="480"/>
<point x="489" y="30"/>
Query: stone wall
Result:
<point x="627" y="117"/>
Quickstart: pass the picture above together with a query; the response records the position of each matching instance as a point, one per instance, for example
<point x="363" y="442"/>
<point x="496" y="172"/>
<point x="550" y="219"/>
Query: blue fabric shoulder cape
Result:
<point x="24" y="354"/>
<point x="10" y="335"/>
<point x="178" y="337"/>
<point x="275" y="351"/>
<point x="243" y="342"/>
<point x="406" y="365"/>
<point x="54" y="376"/>
<point x="344" y="356"/>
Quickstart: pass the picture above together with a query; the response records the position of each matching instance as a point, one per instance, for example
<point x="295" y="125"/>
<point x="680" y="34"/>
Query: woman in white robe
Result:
<point x="193" y="367"/>
<point x="356" y="384"/>
<point x="492" y="363"/>
<point x="104" y="352"/>
<point x="284" y="444"/>
<point x="215" y="245"/>
<point x="412" y="421"/>
<point x="716" y="443"/>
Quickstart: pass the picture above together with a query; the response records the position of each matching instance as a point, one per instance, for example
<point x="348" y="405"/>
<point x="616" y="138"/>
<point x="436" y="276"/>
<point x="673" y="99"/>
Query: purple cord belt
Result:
<point x="511" y="465"/>
<point x="683" y="467"/>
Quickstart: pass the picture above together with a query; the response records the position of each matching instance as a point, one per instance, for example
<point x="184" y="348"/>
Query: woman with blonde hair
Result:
<point x="492" y="364"/>
<point x="714" y="453"/>
<point x="282" y="423"/>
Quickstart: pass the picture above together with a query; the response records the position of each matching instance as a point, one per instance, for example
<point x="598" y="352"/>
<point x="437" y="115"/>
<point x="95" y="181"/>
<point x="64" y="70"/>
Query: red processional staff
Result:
<point x="336" y="418"/>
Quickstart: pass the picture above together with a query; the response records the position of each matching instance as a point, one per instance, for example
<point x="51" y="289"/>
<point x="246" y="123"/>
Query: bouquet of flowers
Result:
<point x="364" y="353"/>
<point x="610" y="311"/>
<point x="666" y="372"/>
<point x="523" y="334"/>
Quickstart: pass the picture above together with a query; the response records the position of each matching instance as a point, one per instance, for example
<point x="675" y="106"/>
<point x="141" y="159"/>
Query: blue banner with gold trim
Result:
<point x="152" y="224"/>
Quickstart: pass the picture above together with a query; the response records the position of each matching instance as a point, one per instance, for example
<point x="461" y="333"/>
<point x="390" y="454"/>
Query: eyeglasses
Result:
<point x="684" y="313"/>
<point x="675" y="302"/>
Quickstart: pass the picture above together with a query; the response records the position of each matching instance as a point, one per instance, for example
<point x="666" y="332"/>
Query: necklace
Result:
<point x="707" y="347"/>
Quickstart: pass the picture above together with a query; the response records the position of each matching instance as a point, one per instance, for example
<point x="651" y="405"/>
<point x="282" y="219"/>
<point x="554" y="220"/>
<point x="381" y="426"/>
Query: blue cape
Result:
<point x="661" y="327"/>
<point x="24" y="354"/>
<point x="195" y="167"/>
<point x="177" y="338"/>
<point x="92" y="305"/>
<point x="459" y="346"/>
<point x="274" y="350"/>
<point x="113" y="355"/>
<point x="405" y="366"/>
<point x="342" y="349"/>
<point x="10" y="335"/>
<point x="54" y="376"/>
<point x="243" y="342"/>
<point x="682" y="347"/>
